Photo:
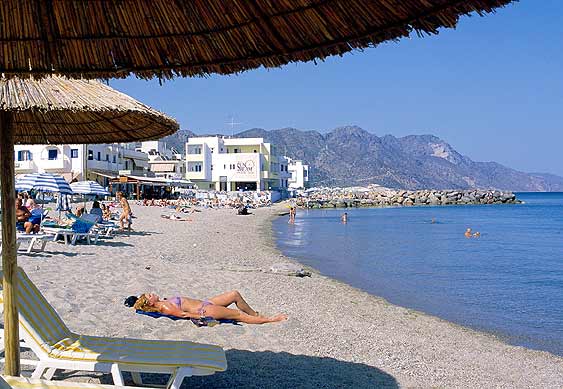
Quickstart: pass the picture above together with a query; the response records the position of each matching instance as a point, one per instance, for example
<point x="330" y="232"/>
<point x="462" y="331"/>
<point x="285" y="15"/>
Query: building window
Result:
<point x="225" y="167"/>
<point x="255" y="151"/>
<point x="126" y="165"/>
<point x="24" y="155"/>
<point x="99" y="156"/>
<point x="212" y="149"/>
<point x="211" y="167"/>
<point x="73" y="153"/>
<point x="90" y="155"/>
<point x="107" y="157"/>
<point x="236" y="151"/>
<point x="114" y="159"/>
<point x="52" y="154"/>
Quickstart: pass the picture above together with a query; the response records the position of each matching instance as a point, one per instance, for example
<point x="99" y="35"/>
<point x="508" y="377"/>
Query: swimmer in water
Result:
<point x="468" y="233"/>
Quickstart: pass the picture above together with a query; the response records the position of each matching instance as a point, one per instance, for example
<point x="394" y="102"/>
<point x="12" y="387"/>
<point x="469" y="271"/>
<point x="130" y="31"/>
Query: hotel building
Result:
<point x="299" y="174"/>
<point x="232" y="164"/>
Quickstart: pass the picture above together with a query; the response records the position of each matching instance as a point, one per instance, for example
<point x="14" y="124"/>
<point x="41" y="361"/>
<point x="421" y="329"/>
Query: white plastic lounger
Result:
<point x="44" y="332"/>
<point x="9" y="382"/>
<point x="70" y="236"/>
<point x="33" y="239"/>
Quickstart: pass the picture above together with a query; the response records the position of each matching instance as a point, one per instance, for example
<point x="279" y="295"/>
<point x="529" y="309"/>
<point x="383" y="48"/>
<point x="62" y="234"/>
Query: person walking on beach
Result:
<point x="126" y="211"/>
<point x="215" y="307"/>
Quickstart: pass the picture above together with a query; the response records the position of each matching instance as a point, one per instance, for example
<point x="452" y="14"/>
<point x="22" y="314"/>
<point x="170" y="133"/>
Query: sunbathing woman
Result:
<point x="215" y="307"/>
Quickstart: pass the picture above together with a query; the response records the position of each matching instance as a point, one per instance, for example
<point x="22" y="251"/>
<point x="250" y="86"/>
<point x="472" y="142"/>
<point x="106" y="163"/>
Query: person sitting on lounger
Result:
<point x="215" y="307"/>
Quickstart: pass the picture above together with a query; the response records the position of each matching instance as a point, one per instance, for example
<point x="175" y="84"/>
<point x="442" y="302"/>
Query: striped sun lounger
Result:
<point x="44" y="332"/>
<point x="8" y="382"/>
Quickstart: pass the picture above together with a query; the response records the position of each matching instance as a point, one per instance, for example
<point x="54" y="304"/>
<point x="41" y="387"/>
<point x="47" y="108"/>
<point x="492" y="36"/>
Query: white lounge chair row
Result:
<point x="44" y="332"/>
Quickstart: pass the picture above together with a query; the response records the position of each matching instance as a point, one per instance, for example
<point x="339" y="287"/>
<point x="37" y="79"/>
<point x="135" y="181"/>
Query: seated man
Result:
<point x="22" y="218"/>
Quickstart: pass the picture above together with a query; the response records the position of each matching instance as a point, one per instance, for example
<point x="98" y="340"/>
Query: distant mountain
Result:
<point x="352" y="156"/>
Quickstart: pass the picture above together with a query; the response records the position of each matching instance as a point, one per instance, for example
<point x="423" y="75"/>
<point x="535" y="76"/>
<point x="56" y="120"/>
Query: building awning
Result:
<point x="102" y="174"/>
<point x="163" y="167"/>
<point x="141" y="163"/>
<point x="127" y="179"/>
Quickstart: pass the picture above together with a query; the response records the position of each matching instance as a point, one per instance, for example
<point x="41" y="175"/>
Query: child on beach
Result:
<point x="215" y="307"/>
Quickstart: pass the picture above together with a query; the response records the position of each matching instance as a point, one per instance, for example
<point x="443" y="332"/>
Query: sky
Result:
<point x="492" y="88"/>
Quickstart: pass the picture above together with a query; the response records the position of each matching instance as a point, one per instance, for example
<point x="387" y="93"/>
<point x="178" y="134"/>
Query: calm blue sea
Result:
<point x="508" y="282"/>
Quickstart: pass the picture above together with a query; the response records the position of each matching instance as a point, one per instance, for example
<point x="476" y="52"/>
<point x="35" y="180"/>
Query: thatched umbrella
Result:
<point x="163" y="38"/>
<point x="57" y="110"/>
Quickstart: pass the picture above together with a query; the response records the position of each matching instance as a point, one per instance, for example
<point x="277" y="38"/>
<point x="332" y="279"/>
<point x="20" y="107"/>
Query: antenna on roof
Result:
<point x="232" y="123"/>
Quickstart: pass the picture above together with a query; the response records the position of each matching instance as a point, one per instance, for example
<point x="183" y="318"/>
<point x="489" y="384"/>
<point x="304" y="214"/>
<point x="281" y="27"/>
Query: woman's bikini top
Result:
<point x="176" y="300"/>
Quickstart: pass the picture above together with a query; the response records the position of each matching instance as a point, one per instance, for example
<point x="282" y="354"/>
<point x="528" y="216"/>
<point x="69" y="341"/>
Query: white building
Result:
<point x="299" y="174"/>
<point x="232" y="164"/>
<point x="164" y="162"/>
<point x="81" y="162"/>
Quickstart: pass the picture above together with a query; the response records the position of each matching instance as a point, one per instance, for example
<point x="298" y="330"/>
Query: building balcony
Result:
<point x="194" y="158"/>
<point x="25" y="166"/>
<point x="195" y="176"/>
<point x="52" y="165"/>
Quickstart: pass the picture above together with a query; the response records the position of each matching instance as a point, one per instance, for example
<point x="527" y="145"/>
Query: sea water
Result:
<point x="508" y="281"/>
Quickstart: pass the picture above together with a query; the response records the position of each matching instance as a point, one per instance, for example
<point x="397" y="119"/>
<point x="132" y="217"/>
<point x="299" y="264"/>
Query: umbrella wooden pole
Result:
<point x="9" y="251"/>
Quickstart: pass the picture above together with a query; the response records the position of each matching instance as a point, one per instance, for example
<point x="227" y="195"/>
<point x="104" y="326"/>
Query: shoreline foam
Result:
<point x="336" y="335"/>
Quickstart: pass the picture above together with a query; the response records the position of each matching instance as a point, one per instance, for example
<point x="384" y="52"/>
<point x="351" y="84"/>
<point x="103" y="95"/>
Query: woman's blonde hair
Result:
<point x="143" y="304"/>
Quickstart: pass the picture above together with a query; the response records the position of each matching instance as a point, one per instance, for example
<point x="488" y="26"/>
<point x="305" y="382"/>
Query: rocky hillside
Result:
<point x="352" y="156"/>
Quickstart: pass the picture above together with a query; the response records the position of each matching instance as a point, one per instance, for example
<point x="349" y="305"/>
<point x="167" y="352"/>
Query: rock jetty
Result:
<point x="382" y="197"/>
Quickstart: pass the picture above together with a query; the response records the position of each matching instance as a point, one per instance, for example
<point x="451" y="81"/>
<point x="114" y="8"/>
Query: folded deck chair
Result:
<point x="45" y="333"/>
<point x="9" y="382"/>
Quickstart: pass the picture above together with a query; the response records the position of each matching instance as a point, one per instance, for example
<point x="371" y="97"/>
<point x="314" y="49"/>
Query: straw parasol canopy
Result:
<point x="163" y="38"/>
<point x="60" y="111"/>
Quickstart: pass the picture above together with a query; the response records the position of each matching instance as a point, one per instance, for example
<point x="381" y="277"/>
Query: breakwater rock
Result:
<point x="342" y="198"/>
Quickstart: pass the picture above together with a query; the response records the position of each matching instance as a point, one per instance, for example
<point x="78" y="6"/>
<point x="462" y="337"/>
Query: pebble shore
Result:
<point x="336" y="336"/>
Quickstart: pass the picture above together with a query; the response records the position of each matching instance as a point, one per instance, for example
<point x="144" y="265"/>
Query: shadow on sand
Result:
<point x="266" y="369"/>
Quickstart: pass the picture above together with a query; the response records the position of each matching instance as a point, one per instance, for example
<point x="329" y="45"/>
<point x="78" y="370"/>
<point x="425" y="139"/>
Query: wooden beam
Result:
<point x="9" y="250"/>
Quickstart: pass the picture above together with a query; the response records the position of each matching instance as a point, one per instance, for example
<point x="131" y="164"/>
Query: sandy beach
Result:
<point x="336" y="336"/>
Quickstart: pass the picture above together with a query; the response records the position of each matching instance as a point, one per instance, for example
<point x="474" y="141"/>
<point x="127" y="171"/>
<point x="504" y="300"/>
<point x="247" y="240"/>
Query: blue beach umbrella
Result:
<point x="63" y="203"/>
<point x="44" y="182"/>
<point x="89" y="188"/>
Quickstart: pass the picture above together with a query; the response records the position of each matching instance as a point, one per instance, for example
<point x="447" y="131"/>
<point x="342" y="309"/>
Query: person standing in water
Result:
<point x="292" y="214"/>
<point x="344" y="218"/>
